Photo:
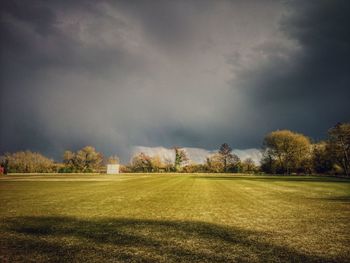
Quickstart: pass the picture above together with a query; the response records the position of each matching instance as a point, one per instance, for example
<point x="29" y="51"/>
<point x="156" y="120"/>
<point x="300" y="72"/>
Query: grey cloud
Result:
<point x="35" y="36"/>
<point x="116" y="74"/>
<point x="307" y="88"/>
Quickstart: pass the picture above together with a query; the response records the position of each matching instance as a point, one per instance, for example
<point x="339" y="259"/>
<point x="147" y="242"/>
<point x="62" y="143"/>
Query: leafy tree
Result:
<point x="195" y="168"/>
<point x="268" y="164"/>
<point x="125" y="168"/>
<point x="141" y="163"/>
<point x="88" y="159"/>
<point x="69" y="162"/>
<point x="215" y="163"/>
<point x="85" y="160"/>
<point x="286" y="150"/>
<point x="156" y="164"/>
<point x="27" y="162"/>
<point x="321" y="160"/>
<point x="180" y="158"/>
<point x="339" y="145"/>
<point x="144" y="163"/>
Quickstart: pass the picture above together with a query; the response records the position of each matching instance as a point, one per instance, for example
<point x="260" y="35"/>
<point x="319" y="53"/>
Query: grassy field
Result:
<point x="174" y="218"/>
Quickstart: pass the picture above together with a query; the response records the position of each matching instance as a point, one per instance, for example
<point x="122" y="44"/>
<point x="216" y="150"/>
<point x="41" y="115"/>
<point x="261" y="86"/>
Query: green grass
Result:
<point x="174" y="218"/>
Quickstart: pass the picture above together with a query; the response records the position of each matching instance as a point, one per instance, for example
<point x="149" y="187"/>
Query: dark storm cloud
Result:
<point x="162" y="20"/>
<point x="306" y="89"/>
<point x="33" y="37"/>
<point x="117" y="74"/>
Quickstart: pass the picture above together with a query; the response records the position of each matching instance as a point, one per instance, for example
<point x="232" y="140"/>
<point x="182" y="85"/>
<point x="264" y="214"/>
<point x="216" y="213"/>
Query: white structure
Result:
<point x="112" y="168"/>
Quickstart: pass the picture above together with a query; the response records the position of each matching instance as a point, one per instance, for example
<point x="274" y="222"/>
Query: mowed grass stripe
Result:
<point x="84" y="198"/>
<point x="176" y="218"/>
<point x="300" y="219"/>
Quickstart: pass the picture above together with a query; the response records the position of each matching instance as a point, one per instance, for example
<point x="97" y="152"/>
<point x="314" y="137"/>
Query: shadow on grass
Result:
<point x="69" y="239"/>
<point x="277" y="178"/>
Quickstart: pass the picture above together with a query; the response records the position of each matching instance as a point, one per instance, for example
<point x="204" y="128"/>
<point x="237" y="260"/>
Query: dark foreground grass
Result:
<point x="174" y="218"/>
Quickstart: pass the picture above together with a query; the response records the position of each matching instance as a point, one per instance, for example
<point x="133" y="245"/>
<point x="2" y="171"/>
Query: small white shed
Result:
<point x="112" y="168"/>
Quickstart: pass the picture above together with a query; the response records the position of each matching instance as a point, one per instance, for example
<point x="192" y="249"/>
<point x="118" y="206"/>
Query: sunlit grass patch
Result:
<point x="176" y="218"/>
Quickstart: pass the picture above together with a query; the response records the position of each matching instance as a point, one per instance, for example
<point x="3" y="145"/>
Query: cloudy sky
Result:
<point x="191" y="73"/>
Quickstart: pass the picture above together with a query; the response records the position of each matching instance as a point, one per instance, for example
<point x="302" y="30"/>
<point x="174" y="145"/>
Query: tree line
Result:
<point x="284" y="152"/>
<point x="222" y="161"/>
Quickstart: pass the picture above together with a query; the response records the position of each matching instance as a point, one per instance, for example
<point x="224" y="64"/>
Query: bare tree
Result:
<point x="228" y="159"/>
